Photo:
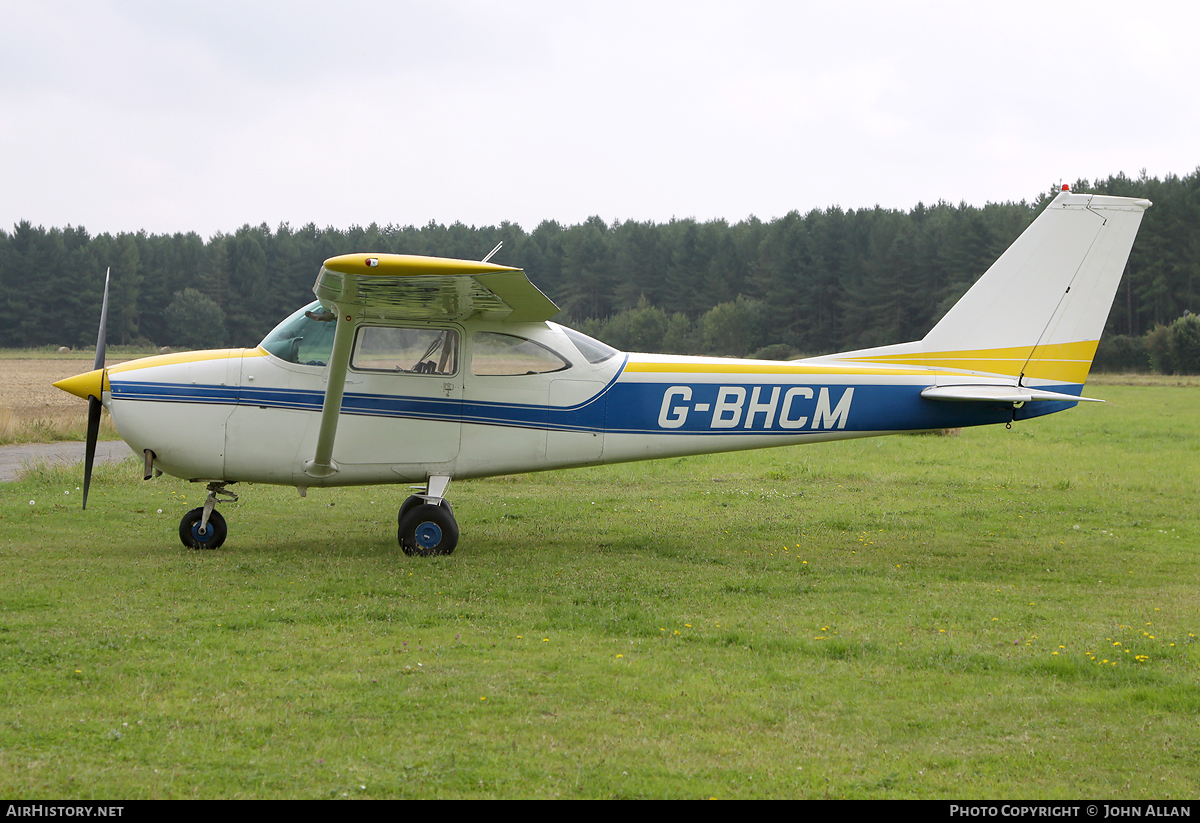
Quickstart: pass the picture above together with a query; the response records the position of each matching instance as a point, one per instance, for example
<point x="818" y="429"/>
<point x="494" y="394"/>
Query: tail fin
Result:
<point x="1038" y="312"/>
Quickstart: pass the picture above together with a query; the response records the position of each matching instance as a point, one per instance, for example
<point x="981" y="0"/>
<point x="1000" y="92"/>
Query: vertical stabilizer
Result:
<point x="1038" y="312"/>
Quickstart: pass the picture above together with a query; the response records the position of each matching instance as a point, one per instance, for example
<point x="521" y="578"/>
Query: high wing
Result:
<point x="412" y="287"/>
<point x="406" y="286"/>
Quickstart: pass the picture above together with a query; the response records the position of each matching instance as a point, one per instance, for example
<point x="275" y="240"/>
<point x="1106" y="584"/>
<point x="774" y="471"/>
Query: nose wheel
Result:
<point x="207" y="536"/>
<point x="204" y="528"/>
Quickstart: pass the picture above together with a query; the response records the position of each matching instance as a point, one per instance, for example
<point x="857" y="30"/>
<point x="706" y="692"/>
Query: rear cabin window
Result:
<point x="593" y="350"/>
<point x="507" y="354"/>
<point x="406" y="351"/>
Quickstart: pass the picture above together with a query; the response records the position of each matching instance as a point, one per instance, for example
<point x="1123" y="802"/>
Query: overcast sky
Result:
<point x="204" y="116"/>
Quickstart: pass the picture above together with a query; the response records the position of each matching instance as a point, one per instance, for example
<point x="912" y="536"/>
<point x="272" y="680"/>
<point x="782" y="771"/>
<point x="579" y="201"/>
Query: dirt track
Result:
<point x="25" y="386"/>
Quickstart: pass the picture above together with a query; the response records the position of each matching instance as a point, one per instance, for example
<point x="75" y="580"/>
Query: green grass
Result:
<point x="931" y="617"/>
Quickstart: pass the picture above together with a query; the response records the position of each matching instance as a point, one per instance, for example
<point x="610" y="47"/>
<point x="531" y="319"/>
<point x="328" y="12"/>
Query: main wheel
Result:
<point x="212" y="536"/>
<point x="407" y="506"/>
<point x="426" y="531"/>
<point x="414" y="501"/>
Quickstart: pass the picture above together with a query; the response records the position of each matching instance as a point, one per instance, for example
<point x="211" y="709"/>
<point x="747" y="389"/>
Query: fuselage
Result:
<point x="482" y="398"/>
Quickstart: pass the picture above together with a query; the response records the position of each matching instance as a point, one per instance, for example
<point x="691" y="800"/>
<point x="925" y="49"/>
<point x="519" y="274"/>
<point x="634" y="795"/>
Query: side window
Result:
<point x="593" y="350"/>
<point x="407" y="351"/>
<point x="497" y="354"/>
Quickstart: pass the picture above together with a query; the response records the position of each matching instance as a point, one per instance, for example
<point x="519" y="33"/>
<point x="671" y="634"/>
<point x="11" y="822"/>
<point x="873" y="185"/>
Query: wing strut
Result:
<point x="322" y="464"/>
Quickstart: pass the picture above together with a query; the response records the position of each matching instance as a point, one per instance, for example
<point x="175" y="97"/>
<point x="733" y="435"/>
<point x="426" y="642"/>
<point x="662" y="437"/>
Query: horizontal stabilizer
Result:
<point x="999" y="394"/>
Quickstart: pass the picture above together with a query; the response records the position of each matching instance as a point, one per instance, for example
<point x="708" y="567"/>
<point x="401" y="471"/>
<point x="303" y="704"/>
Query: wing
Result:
<point x="410" y="287"/>
<point x="407" y="286"/>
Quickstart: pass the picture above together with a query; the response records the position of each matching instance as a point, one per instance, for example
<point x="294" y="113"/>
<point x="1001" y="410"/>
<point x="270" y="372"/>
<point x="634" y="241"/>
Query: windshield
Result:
<point x="304" y="338"/>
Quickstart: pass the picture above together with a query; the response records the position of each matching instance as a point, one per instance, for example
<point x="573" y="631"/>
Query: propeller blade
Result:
<point x="100" y="337"/>
<point x="93" y="432"/>
<point x="94" y="404"/>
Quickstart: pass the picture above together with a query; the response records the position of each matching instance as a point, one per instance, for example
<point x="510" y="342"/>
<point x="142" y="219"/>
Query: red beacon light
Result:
<point x="1066" y="187"/>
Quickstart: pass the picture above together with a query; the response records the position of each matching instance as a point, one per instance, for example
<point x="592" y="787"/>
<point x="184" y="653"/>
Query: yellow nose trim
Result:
<point x="88" y="384"/>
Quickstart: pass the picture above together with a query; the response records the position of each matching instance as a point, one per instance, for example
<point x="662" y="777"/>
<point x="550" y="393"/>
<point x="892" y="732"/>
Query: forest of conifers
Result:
<point x="824" y="281"/>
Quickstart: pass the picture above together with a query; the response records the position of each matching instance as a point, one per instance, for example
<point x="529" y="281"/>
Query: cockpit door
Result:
<point x="403" y="399"/>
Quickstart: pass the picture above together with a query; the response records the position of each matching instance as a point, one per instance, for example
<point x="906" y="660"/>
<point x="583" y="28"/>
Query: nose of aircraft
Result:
<point x="89" y="384"/>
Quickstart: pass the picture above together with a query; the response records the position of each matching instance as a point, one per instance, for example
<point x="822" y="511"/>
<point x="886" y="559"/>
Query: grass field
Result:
<point x="999" y="614"/>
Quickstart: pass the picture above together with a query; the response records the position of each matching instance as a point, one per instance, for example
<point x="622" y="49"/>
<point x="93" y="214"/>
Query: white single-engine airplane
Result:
<point x="419" y="370"/>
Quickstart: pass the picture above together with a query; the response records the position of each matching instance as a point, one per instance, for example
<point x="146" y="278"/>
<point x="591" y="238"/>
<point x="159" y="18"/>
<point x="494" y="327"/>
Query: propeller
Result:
<point x="94" y="405"/>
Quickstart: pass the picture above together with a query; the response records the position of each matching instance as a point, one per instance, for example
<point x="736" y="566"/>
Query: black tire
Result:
<point x="428" y="531"/>
<point x="407" y="506"/>
<point x="414" y="501"/>
<point x="214" y="534"/>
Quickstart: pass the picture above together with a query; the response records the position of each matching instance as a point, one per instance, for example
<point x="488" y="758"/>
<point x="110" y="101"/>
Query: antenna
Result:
<point x="493" y="251"/>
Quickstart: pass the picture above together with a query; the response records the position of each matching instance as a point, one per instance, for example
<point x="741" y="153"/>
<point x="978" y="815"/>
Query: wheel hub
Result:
<point x="428" y="535"/>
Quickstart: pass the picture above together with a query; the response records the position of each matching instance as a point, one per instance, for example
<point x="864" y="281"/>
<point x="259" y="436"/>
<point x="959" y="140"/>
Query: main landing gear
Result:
<point x="204" y="528"/>
<point x="426" y="524"/>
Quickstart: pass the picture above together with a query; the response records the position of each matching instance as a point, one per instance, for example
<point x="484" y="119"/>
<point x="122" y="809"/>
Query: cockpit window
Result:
<point x="497" y="354"/>
<point x="304" y="338"/>
<point x="411" y="351"/>
<point x="593" y="350"/>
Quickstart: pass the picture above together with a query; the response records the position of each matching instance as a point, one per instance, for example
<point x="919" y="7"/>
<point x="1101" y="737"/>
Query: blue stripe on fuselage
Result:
<point x="639" y="408"/>
<point x="786" y="409"/>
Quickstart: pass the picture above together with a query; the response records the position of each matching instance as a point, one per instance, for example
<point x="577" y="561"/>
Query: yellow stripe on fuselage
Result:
<point x="765" y="368"/>
<point x="185" y="357"/>
<point x="1066" y="362"/>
